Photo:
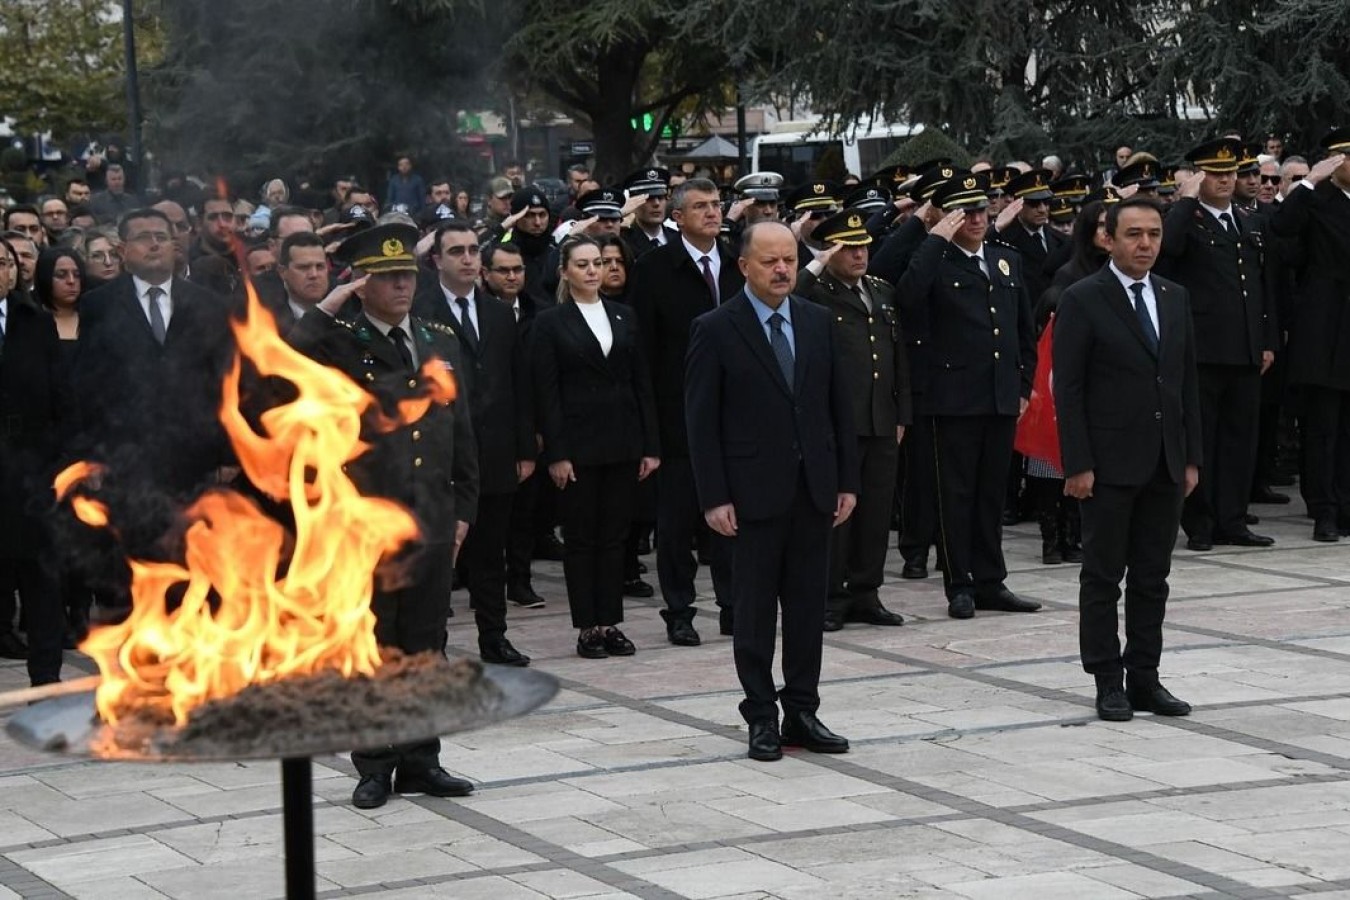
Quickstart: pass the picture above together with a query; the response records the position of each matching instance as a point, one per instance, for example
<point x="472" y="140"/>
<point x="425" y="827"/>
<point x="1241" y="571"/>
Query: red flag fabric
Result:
<point x="1038" y="429"/>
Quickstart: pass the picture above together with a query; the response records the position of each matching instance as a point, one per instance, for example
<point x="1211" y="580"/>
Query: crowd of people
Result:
<point x="765" y="379"/>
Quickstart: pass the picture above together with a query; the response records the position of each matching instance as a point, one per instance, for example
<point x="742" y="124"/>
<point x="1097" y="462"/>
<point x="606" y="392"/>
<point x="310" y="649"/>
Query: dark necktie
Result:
<point x="862" y="295"/>
<point x="1145" y="321"/>
<point x="157" y="326"/>
<point x="1040" y="239"/>
<point x="466" y="324"/>
<point x="782" y="350"/>
<point x="400" y="340"/>
<point x="708" y="277"/>
<point x="1227" y="221"/>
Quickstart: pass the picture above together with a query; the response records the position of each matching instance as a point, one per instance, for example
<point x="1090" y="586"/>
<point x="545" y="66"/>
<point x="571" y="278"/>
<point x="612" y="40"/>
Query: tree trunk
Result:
<point x="611" y="119"/>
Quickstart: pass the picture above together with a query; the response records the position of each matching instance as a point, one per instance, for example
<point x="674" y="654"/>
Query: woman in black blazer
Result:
<point x="597" y="415"/>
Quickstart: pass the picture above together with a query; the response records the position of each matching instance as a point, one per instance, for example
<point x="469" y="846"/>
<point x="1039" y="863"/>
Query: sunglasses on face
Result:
<point x="1270" y="179"/>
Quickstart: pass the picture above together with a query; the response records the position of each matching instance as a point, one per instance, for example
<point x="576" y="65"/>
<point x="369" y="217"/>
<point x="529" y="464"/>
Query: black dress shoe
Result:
<point x="1263" y="494"/>
<point x="12" y="646"/>
<point x="591" y="645"/>
<point x="1199" y="545"/>
<point x="765" y="744"/>
<point x="1112" y="705"/>
<point x="1244" y="538"/>
<point x="914" y="569"/>
<point x="434" y="781"/>
<point x="500" y="651"/>
<point x="524" y="595"/>
<point x="372" y="792"/>
<point x="682" y="634"/>
<point x="1071" y="553"/>
<point x="1010" y="517"/>
<point x="1325" y="531"/>
<point x="644" y="545"/>
<point x="616" y="644"/>
<point x="1281" y="479"/>
<point x="549" y="548"/>
<point x="962" y="606"/>
<point x="874" y="614"/>
<point x="1156" y="699"/>
<point x="833" y="621"/>
<point x="806" y="731"/>
<point x="726" y="621"/>
<point x="636" y="587"/>
<point x="642" y="568"/>
<point x="1004" y="600"/>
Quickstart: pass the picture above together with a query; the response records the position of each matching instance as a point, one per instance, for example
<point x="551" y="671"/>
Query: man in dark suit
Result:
<point x="966" y="302"/>
<point x="495" y="374"/>
<point x="1315" y="216"/>
<point x="773" y="450"/>
<point x="876" y="370"/>
<point x="429" y="466"/>
<point x="1217" y="253"/>
<point x="154" y="350"/>
<point x="302" y="266"/>
<point x="35" y="407"/>
<point x="1128" y="400"/>
<point x="670" y="287"/>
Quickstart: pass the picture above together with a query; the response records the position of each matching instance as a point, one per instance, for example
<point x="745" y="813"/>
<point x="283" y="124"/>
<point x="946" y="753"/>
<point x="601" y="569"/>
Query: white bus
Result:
<point x="796" y="149"/>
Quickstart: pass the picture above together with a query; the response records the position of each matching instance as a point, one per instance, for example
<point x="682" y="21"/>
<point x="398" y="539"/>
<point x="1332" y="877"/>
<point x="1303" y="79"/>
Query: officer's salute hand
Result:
<point x="1323" y="170"/>
<point x="1008" y="215"/>
<point x="738" y="208"/>
<point x="1127" y="191"/>
<point x="824" y="256"/>
<point x="510" y="221"/>
<point x="949" y="226"/>
<point x="1190" y="187"/>
<point x="338" y="296"/>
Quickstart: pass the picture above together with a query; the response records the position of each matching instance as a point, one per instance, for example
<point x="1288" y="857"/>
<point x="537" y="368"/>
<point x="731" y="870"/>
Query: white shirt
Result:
<point x="1216" y="212"/>
<point x="714" y="261"/>
<point x="4" y="315"/>
<point x="598" y="320"/>
<point x="978" y="256"/>
<point x="297" y="309"/>
<point x="384" y="328"/>
<point x="165" y="299"/>
<point x="1150" y="301"/>
<point x="659" y="235"/>
<point x="451" y="298"/>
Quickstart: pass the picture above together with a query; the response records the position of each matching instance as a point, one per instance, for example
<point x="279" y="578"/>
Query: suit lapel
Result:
<point x="380" y="346"/>
<point x="849" y="295"/>
<point x="747" y="323"/>
<point x="1169" y="320"/>
<point x="1123" y="306"/>
<point x="130" y="308"/>
<point x="586" y="339"/>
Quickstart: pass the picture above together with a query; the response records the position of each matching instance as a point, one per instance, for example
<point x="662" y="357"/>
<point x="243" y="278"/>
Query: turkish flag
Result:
<point x="1038" y="429"/>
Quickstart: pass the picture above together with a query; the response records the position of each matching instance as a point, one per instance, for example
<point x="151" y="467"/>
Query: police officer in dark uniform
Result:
<point x="966" y="300"/>
<point x="1217" y="252"/>
<point x="1030" y="234"/>
<point x="649" y="229"/>
<point x="876" y="375"/>
<point x="810" y="204"/>
<point x="429" y="466"/>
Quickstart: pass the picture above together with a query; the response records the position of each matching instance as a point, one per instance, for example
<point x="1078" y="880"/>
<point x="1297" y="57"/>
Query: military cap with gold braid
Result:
<point x="1143" y="173"/>
<point x="1219" y="157"/>
<point x="1105" y="194"/>
<point x="1167" y="180"/>
<point x="1071" y="187"/>
<point x="966" y="190"/>
<point x="1000" y="176"/>
<point x="814" y="195"/>
<point x="1250" y="161"/>
<point x="923" y="188"/>
<point x="889" y="177"/>
<point x="848" y="227"/>
<point x="1337" y="140"/>
<point x="380" y="249"/>
<point x="1033" y="185"/>
<point x="1062" y="209"/>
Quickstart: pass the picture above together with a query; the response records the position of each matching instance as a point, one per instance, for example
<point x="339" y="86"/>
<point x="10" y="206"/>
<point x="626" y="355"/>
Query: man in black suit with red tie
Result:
<point x="154" y="350"/>
<point x="670" y="287"/>
<point x="495" y="375"/>
<point x="1128" y="400"/>
<point x="774" y="456"/>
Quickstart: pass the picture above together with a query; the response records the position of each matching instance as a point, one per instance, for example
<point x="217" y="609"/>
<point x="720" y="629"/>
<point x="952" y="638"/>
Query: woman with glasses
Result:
<point x="597" y="416"/>
<point x="103" y="259"/>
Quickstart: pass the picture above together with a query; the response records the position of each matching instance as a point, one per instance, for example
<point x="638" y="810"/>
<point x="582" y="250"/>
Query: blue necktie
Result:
<point x="782" y="350"/>
<point x="1145" y="322"/>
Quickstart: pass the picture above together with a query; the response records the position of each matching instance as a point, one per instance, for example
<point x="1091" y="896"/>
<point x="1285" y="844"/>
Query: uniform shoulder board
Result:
<point x="350" y="326"/>
<point x="1000" y="242"/>
<point x="878" y="282"/>
<point x="437" y="326"/>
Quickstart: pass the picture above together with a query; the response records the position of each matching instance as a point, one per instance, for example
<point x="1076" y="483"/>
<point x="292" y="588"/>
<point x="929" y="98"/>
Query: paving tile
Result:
<point x="102" y="858"/>
<point x="356" y="871"/>
<point x="121" y="888"/>
<point x="1043" y="886"/>
<point x="709" y="874"/>
<point x="260" y="879"/>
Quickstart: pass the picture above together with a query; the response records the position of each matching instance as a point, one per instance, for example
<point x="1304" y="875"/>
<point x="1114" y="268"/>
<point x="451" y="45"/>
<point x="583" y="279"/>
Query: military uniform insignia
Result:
<point x="855" y="221"/>
<point x="1004" y="267"/>
<point x="392" y="247"/>
<point x="443" y="329"/>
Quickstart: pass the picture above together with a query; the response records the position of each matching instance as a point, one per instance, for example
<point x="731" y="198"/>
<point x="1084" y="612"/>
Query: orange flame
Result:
<point x="87" y="510"/>
<point x="255" y="604"/>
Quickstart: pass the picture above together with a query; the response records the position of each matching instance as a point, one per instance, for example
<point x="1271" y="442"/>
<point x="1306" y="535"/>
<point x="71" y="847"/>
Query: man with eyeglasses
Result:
<point x="26" y="220"/>
<point x="154" y="350"/>
<point x="494" y="372"/>
<point x="182" y="235"/>
<point x="1029" y="232"/>
<point x="55" y="216"/>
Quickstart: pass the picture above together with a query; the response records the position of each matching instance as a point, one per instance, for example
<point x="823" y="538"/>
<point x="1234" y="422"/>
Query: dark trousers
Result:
<point x="43" y="615"/>
<point x="971" y="467"/>
<point x="858" y="547"/>
<point x="1129" y="533"/>
<point x="918" y="494"/>
<point x="411" y="617"/>
<point x="520" y="537"/>
<point x="596" y="511"/>
<point x="1326" y="452"/>
<point x="1268" y="422"/>
<point x="1230" y="399"/>
<point x="483" y="562"/>
<point x="784" y="562"/>
<point x="679" y="520"/>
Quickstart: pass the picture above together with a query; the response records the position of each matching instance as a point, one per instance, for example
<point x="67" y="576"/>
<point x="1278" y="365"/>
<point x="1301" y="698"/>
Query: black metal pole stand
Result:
<point x="297" y="790"/>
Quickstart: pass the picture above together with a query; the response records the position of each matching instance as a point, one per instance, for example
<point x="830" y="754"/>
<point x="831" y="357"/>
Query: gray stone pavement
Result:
<point x="978" y="769"/>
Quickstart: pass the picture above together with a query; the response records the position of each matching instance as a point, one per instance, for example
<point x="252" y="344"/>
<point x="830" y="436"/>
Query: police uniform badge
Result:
<point x="1004" y="267"/>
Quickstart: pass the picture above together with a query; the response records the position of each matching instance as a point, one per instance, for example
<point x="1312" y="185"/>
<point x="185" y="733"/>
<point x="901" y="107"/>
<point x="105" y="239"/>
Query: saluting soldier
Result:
<point x="1217" y="252"/>
<point x="967" y="301"/>
<point x="1030" y="233"/>
<point x="429" y="466"/>
<point x="811" y="204"/>
<point x="871" y="351"/>
<point x="649" y="229"/>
